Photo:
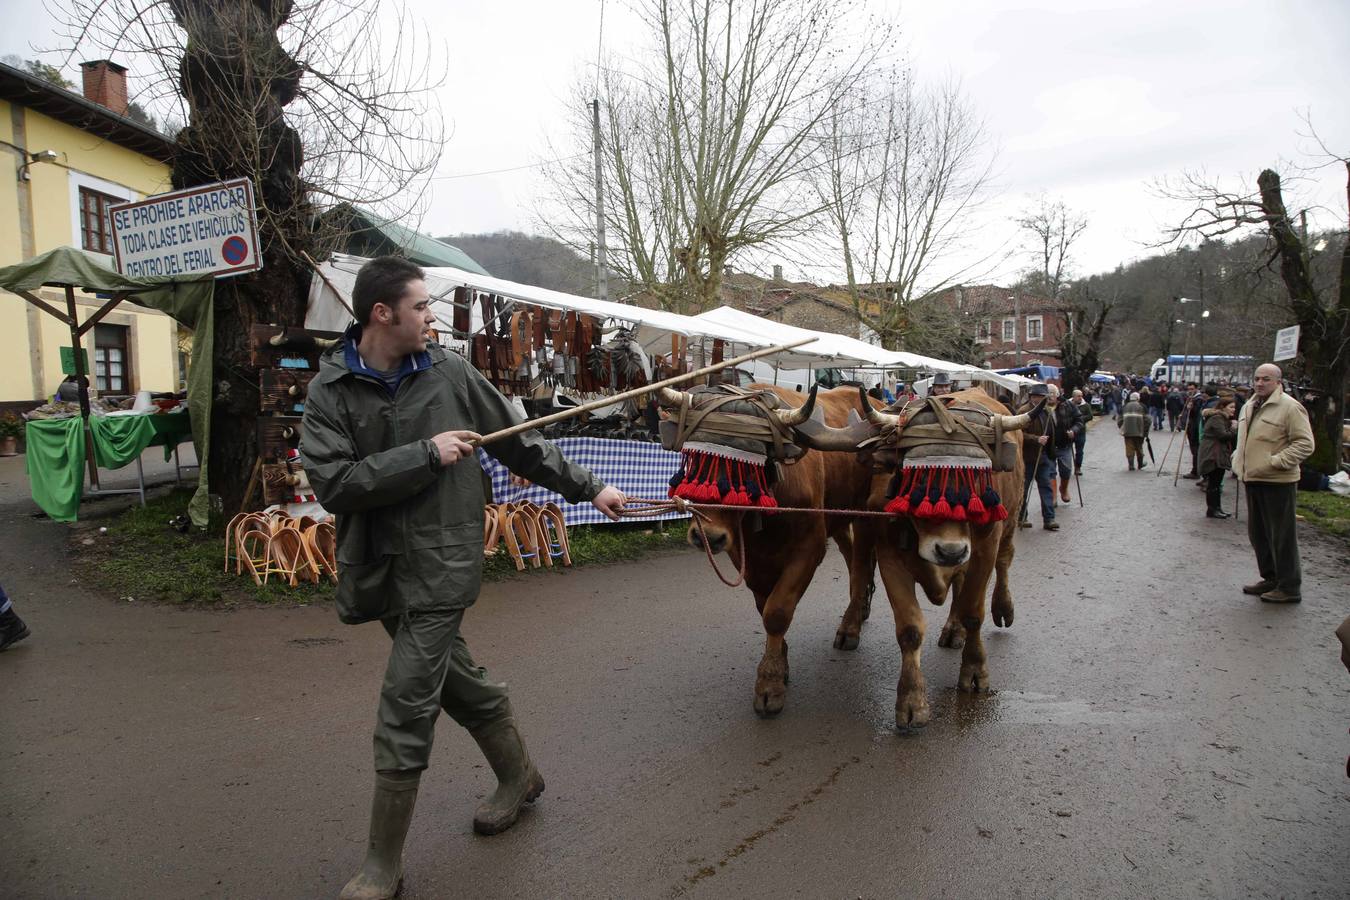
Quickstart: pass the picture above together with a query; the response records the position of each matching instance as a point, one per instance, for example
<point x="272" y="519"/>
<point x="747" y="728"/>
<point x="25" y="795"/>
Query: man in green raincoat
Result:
<point x="385" y="443"/>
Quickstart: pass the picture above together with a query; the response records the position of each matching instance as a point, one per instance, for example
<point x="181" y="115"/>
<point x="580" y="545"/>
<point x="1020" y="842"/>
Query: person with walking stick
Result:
<point x="387" y="443"/>
<point x="1134" y="424"/>
<point x="1038" y="448"/>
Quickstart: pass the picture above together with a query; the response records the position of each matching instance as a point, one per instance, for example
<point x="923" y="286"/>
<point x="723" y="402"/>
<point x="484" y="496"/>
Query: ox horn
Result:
<point x="794" y="417"/>
<point x="669" y="397"/>
<point x="1014" y="423"/>
<point x="875" y="416"/>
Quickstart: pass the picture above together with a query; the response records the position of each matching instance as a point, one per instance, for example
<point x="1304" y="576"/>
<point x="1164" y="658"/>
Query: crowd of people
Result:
<point x="1258" y="432"/>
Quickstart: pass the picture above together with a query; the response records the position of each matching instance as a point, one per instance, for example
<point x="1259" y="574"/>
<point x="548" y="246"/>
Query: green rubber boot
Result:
<point x="518" y="781"/>
<point x="390" y="812"/>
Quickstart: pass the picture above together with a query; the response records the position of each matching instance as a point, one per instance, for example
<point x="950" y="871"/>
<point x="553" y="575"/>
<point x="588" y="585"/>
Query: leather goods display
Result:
<point x="462" y="318"/>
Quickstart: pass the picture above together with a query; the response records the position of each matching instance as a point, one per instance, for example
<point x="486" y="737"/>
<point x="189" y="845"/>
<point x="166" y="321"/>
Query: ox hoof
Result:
<point x="1002" y="614"/>
<point x="953" y="636"/>
<point x="769" y="703"/>
<point x="843" y="641"/>
<point x="974" y="678"/>
<point x="912" y="714"/>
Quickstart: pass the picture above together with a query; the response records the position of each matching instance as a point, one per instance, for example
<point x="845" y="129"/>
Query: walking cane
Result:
<point x="1078" y="481"/>
<point x="1168" y="451"/>
<point x="1026" y="495"/>
<point x="1177" y="475"/>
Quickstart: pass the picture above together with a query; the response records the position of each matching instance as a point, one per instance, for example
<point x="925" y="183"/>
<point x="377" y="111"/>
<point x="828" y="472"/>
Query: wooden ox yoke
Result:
<point x="953" y="485"/>
<point x="728" y="438"/>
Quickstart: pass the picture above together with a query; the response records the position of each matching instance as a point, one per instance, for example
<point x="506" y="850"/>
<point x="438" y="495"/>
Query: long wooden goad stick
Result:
<point x="635" y="392"/>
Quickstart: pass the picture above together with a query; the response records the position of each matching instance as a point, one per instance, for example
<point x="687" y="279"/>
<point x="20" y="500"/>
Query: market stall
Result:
<point x="56" y="451"/>
<point x="107" y="442"/>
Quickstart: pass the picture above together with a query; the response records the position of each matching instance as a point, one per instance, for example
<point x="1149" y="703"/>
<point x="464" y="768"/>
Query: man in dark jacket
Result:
<point x="1038" y="449"/>
<point x="1176" y="402"/>
<point x="386" y="443"/>
<point x="1194" y="407"/>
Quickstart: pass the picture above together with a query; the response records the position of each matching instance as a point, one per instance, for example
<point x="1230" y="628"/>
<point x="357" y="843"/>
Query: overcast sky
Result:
<point x="1088" y="101"/>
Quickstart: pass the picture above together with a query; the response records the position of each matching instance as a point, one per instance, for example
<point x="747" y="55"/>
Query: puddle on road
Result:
<point x="1028" y="708"/>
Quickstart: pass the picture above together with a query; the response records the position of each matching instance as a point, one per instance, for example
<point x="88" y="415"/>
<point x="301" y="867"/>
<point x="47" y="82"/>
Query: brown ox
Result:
<point x="939" y="555"/>
<point x="783" y="550"/>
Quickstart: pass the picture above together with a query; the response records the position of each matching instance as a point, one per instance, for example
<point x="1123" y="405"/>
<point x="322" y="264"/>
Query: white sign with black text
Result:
<point x="1286" y="343"/>
<point x="211" y="229"/>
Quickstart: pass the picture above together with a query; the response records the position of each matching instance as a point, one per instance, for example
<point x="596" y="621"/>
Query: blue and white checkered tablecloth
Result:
<point x="637" y="469"/>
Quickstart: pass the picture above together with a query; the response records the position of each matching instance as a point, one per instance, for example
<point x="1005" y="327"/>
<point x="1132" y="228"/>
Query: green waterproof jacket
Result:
<point x="1134" y="420"/>
<point x="410" y="531"/>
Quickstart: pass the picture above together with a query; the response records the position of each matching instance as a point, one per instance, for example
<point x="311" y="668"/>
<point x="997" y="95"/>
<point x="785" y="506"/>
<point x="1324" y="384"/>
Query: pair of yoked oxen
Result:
<point x="839" y="465"/>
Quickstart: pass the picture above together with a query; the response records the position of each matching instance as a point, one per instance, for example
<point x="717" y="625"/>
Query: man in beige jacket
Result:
<point x="1273" y="437"/>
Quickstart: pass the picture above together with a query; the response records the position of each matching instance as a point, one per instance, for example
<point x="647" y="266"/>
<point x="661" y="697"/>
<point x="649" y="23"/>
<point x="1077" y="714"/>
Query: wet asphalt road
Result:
<point x="1153" y="732"/>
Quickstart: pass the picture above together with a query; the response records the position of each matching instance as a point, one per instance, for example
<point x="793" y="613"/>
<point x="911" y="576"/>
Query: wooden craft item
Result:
<point x="283" y="390"/>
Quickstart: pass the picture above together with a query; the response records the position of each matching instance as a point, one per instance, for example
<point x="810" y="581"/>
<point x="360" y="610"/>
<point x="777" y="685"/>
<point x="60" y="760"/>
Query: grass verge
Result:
<point x="1329" y="512"/>
<point x="142" y="557"/>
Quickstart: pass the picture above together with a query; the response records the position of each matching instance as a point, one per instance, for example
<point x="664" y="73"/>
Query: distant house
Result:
<point x="366" y="234"/>
<point x="1014" y="327"/>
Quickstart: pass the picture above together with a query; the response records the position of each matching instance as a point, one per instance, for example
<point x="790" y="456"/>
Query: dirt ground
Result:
<point x="1153" y="732"/>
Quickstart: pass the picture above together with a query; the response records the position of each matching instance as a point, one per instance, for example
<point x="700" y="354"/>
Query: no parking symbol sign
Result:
<point x="207" y="230"/>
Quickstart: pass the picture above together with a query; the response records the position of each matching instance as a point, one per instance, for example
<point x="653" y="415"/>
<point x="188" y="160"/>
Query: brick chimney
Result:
<point x="105" y="82"/>
<point x="777" y="273"/>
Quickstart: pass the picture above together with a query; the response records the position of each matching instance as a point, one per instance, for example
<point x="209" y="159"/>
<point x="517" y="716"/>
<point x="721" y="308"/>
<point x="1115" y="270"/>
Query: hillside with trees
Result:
<point x="531" y="259"/>
<point x="1236" y="282"/>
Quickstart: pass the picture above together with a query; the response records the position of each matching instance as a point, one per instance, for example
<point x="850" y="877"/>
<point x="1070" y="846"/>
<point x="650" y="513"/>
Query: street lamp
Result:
<point x="1204" y="314"/>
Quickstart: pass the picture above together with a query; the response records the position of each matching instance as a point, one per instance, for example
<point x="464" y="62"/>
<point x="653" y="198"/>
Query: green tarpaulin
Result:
<point x="55" y="458"/>
<point x="189" y="301"/>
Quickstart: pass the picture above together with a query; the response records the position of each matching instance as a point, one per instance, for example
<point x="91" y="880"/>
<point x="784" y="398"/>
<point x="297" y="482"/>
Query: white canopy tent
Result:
<point x="327" y="313"/>
<point x="330" y="292"/>
<point x="837" y="350"/>
<point x="846" y="352"/>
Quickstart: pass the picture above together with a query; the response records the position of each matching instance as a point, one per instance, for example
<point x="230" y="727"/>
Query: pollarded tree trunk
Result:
<point x="237" y="80"/>
<point x="1080" y="363"/>
<point x="1324" y="329"/>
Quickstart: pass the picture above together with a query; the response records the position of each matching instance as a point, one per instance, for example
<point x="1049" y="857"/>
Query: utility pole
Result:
<point x="601" y="273"/>
<point x="1202" y="327"/>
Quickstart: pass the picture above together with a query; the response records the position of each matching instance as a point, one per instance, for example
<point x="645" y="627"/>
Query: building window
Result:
<point x="112" y="366"/>
<point x="982" y="330"/>
<point x="1009" y="330"/>
<point x="1035" y="331"/>
<point x="95" y="228"/>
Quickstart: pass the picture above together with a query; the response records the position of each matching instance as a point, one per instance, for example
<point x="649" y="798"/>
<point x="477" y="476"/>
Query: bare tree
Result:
<point x="1054" y="229"/>
<point x="707" y="137"/>
<point x="901" y="170"/>
<point x="1321" y="310"/>
<point x="306" y="101"/>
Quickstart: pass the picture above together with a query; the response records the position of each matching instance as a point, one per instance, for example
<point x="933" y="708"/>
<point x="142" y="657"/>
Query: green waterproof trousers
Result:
<point x="429" y="670"/>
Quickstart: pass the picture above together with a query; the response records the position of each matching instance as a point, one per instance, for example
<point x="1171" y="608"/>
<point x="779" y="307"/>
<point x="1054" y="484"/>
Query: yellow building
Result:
<point x="72" y="156"/>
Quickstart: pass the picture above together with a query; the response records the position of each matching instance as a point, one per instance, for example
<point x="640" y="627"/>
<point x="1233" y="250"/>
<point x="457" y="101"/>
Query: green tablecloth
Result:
<point x="55" y="456"/>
